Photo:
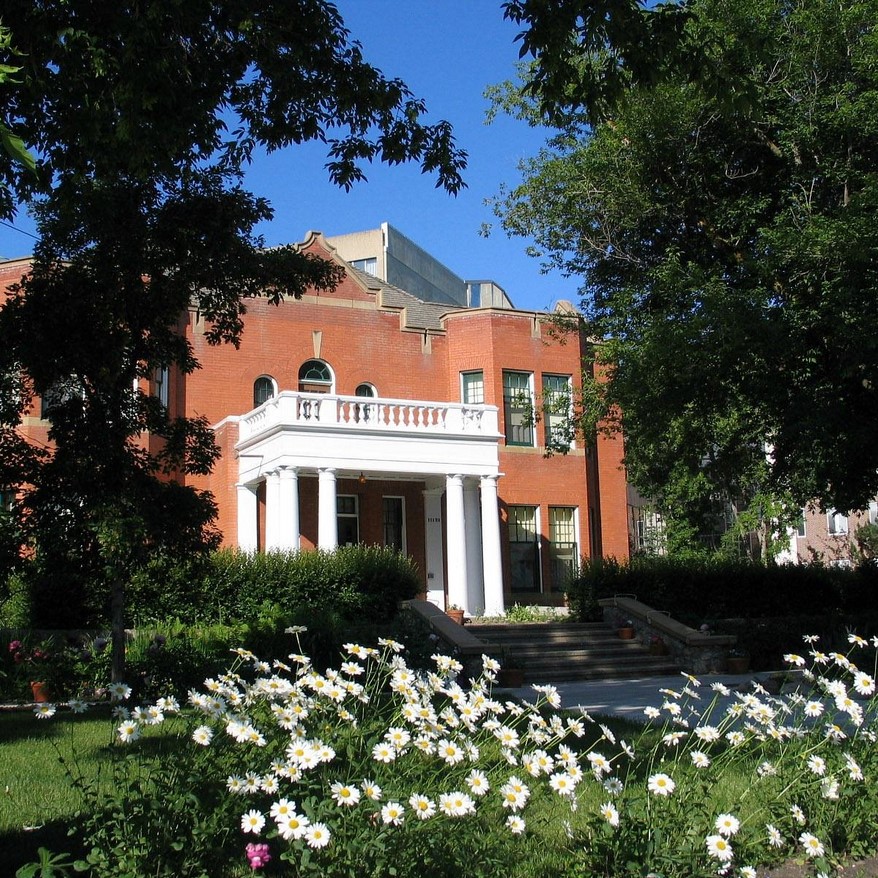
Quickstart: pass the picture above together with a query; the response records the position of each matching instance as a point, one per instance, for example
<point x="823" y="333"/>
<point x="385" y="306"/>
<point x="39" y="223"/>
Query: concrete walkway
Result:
<point x="628" y="698"/>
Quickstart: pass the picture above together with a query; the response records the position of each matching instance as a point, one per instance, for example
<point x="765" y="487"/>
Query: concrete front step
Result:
<point x="571" y="651"/>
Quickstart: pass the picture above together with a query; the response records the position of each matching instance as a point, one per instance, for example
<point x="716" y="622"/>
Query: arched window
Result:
<point x="315" y="377"/>
<point x="365" y="390"/>
<point x="263" y="389"/>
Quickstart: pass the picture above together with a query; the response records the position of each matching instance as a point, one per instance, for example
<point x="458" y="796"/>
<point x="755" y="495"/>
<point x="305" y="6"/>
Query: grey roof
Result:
<point x="418" y="313"/>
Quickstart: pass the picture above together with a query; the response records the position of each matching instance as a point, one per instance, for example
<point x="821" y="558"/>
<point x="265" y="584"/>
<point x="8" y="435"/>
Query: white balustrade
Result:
<point x="371" y="414"/>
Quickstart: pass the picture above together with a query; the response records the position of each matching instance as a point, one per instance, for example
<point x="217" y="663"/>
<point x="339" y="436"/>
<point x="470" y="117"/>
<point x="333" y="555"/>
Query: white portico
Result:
<point x="451" y="448"/>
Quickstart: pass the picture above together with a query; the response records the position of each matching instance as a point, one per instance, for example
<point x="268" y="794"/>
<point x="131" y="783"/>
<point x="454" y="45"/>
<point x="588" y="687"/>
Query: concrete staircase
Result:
<point x="554" y="651"/>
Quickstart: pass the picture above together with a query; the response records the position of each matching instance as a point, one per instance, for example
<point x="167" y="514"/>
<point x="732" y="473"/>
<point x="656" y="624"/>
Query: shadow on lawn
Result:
<point x="22" y="724"/>
<point x="19" y="847"/>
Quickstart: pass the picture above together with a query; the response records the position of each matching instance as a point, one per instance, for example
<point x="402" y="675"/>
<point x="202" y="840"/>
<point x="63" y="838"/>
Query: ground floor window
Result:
<point x="524" y="548"/>
<point x="563" y="547"/>
<point x="348" y="518"/>
<point x="394" y="523"/>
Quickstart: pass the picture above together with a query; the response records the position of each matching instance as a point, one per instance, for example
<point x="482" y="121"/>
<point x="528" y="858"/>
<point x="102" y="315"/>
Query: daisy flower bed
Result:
<point x="374" y="769"/>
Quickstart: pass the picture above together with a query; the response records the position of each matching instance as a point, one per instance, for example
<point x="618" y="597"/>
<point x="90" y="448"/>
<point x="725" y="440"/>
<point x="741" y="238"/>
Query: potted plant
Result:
<point x="738" y="661"/>
<point x="657" y="645"/>
<point x="455" y="612"/>
<point x="625" y="629"/>
<point x="51" y="670"/>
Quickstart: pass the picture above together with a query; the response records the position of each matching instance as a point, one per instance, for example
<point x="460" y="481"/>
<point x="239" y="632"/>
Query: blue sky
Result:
<point x="447" y="52"/>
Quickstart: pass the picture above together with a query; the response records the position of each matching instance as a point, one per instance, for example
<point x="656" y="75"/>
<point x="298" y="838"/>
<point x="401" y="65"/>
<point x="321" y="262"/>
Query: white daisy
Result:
<point x="317" y="835"/>
<point x="610" y="814"/>
<point x="727" y="825"/>
<point x="253" y="821"/>
<point x="422" y="807"/>
<point x="661" y="785"/>
<point x="811" y="844"/>
<point x="392" y="814"/>
<point x="719" y="848"/>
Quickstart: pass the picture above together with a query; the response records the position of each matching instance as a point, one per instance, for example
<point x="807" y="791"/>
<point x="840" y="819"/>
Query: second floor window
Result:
<point x="837" y="524"/>
<point x="472" y="388"/>
<point x="557" y="413"/>
<point x="263" y="390"/>
<point x="518" y="408"/>
<point x="315" y="377"/>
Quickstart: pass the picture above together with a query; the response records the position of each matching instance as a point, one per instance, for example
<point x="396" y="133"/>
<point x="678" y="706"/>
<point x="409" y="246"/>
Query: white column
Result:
<point x="248" y="518"/>
<point x="474" y="583"/>
<point x="492" y="564"/>
<point x="456" y="538"/>
<point x="327" y="511"/>
<point x="433" y="540"/>
<point x="288" y="538"/>
<point x="272" y="511"/>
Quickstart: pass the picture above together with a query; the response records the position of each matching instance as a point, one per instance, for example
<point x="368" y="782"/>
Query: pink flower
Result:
<point x="258" y="855"/>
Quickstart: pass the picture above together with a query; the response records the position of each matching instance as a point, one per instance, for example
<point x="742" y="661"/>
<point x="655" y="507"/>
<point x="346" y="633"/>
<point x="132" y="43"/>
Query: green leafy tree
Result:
<point x="142" y="118"/>
<point x="727" y="246"/>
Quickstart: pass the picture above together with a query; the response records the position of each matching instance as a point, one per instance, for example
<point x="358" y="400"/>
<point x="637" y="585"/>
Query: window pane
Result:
<point x="347" y="520"/>
<point x="556" y="410"/>
<point x="524" y="558"/>
<point x="473" y="385"/>
<point x="393" y="523"/>
<point x="518" y="408"/>
<point x="369" y="266"/>
<point x="562" y="539"/>
<point x="315" y="377"/>
<point x="838" y="523"/>
<point x="263" y="390"/>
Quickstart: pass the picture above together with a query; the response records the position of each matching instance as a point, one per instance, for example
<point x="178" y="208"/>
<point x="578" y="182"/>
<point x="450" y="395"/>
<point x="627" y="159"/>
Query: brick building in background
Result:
<point x="404" y="417"/>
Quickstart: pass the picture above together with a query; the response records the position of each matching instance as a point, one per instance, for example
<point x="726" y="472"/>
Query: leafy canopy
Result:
<point x="727" y="246"/>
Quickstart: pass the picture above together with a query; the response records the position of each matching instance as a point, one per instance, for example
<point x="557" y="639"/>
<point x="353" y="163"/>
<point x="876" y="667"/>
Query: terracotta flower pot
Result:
<point x="738" y="664"/>
<point x="40" y="692"/>
<point x="457" y="615"/>
<point x="625" y="633"/>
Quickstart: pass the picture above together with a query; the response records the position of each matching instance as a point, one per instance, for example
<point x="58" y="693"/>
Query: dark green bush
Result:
<point x="699" y="591"/>
<point x="357" y="582"/>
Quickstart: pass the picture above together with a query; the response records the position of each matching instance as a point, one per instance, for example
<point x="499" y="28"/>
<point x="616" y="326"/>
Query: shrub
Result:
<point x="357" y="582"/>
<point x="696" y="591"/>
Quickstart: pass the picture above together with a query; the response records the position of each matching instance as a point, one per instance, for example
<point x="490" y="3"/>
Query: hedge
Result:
<point x="695" y="592"/>
<point x="356" y="582"/>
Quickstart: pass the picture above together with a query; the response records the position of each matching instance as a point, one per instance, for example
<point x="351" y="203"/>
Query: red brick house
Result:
<point x="373" y="415"/>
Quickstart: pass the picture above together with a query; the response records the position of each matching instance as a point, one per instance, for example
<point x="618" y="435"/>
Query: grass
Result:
<point x="39" y="804"/>
<point x="38" y="801"/>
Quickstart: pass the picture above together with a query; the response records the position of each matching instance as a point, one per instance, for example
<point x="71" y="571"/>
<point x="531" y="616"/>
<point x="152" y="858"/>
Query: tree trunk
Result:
<point x="117" y="636"/>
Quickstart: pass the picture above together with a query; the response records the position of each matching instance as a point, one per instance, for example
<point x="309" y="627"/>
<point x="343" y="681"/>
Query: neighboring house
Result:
<point x="374" y="415"/>
<point x="828" y="537"/>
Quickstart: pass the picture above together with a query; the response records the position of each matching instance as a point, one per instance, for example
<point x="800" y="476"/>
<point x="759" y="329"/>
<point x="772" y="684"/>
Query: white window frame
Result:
<point x="465" y="387"/>
<point x="355" y="515"/>
<point x="273" y="389"/>
<point x="577" y="544"/>
<point x="403" y="536"/>
<point x="836" y="524"/>
<point x="537" y="541"/>
<point x="509" y="413"/>
<point x="548" y="426"/>
<point x="330" y="387"/>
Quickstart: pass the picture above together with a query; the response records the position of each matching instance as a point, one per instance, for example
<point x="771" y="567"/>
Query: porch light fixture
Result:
<point x="362" y="479"/>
